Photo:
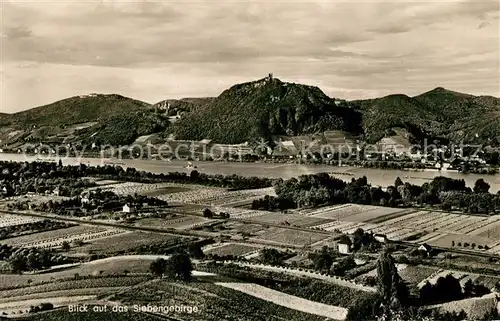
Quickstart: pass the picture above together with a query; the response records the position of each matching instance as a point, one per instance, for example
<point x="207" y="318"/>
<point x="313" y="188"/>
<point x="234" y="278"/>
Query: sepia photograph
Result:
<point x="250" y="160"/>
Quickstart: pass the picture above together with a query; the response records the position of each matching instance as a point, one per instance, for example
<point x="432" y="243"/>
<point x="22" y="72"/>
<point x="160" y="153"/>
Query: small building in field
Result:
<point x="344" y="247"/>
<point x="382" y="238"/>
<point x="128" y="209"/>
<point x="425" y="248"/>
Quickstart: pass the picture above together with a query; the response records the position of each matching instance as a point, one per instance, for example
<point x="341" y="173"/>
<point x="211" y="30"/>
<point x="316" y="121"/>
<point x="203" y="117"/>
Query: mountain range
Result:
<point x="264" y="108"/>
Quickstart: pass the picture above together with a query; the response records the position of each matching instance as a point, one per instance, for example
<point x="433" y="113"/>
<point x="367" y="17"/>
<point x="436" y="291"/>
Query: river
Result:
<point x="381" y="177"/>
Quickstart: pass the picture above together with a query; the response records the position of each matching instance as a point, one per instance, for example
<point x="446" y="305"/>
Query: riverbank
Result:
<point x="377" y="177"/>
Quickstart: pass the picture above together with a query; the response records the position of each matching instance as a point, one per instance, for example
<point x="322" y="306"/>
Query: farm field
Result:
<point x="245" y="196"/>
<point x="432" y="227"/>
<point x="20" y="307"/>
<point x="416" y="274"/>
<point x="490" y="231"/>
<point x="97" y="282"/>
<point x="20" y="302"/>
<point x="287" y="300"/>
<point x="463" y="277"/>
<point x="292" y="219"/>
<point x="231" y="249"/>
<point x="130" y="188"/>
<point x="102" y="182"/>
<point x="354" y="212"/>
<point x="11" y="220"/>
<point x="291" y="237"/>
<point x="314" y="275"/>
<point x="214" y="302"/>
<point x="126" y="242"/>
<point x="197" y="195"/>
<point x="182" y="222"/>
<point x="246" y="228"/>
<point x="109" y="266"/>
<point x="215" y="196"/>
<point x="445" y="240"/>
<point x="475" y="308"/>
<point x="56" y="237"/>
<point x="164" y="190"/>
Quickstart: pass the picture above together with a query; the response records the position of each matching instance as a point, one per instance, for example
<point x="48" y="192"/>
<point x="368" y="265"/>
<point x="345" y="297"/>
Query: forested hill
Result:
<point x="436" y="113"/>
<point x="258" y="109"/>
<point x="95" y="118"/>
<point x="78" y="109"/>
<point x="264" y="108"/>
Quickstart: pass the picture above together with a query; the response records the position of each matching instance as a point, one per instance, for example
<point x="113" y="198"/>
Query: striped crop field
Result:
<point x="11" y="220"/>
<point x="421" y="226"/>
<point x="292" y="237"/>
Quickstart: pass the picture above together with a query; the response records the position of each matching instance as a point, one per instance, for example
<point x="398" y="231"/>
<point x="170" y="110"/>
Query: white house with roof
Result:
<point x="127" y="208"/>
<point x="344" y="247"/>
<point x="425" y="248"/>
<point x="382" y="238"/>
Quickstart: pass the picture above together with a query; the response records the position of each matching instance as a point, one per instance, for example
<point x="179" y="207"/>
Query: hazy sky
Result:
<point x="166" y="49"/>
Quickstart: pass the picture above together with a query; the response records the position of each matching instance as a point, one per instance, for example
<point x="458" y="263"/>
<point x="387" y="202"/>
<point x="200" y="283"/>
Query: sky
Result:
<point x="154" y="50"/>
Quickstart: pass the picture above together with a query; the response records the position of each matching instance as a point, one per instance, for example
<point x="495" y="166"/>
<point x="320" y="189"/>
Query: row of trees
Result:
<point x="30" y="259"/>
<point x="19" y="178"/>
<point x="321" y="189"/>
<point x="97" y="200"/>
<point x="448" y="289"/>
<point x="271" y="203"/>
<point x="33" y="227"/>
<point x="178" y="267"/>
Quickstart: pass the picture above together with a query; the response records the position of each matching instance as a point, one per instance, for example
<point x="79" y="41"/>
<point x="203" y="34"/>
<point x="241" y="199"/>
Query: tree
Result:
<point x="271" y="256"/>
<point x="365" y="307"/>
<point x="65" y="246"/>
<point x="445" y="289"/>
<point x="179" y="266"/>
<point x="33" y="261"/>
<point x="474" y="290"/>
<point x="398" y="182"/>
<point x="195" y="251"/>
<point x="481" y="186"/>
<point x="494" y="158"/>
<point x="358" y="238"/>
<point x="157" y="267"/>
<point x="208" y="213"/>
<point x="469" y="289"/>
<point x="392" y="289"/>
<point x="322" y="260"/>
<point x="17" y="263"/>
<point x="345" y="264"/>
<point x="194" y="175"/>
